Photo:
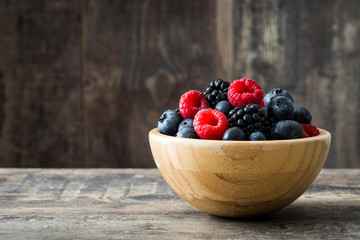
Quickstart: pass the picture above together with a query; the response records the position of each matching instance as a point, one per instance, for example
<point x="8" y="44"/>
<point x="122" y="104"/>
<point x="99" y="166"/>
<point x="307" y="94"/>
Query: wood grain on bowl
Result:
<point x="239" y="178"/>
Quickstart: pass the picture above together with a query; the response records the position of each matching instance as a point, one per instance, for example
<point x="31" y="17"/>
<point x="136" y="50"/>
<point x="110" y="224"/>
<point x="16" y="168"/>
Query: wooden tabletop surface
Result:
<point x="138" y="204"/>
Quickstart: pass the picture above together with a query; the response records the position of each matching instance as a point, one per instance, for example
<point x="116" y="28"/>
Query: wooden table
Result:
<point x="138" y="204"/>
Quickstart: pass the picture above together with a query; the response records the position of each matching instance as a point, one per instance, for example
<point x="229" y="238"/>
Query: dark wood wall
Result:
<point x="83" y="82"/>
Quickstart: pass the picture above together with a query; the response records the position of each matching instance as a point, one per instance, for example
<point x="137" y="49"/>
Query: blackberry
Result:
<point x="216" y="92"/>
<point x="251" y="118"/>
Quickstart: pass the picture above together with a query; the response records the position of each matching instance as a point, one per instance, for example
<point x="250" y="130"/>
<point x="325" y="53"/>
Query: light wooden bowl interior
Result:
<point x="239" y="178"/>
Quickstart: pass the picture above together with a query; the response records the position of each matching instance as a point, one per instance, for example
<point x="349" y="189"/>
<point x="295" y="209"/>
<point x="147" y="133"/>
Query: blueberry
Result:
<point x="287" y="129"/>
<point x="224" y="106"/>
<point x="187" y="132"/>
<point x="234" y="133"/>
<point x="276" y="92"/>
<point x="169" y="122"/>
<point x="186" y="123"/>
<point x="302" y="115"/>
<point x="257" y="136"/>
<point x="281" y="108"/>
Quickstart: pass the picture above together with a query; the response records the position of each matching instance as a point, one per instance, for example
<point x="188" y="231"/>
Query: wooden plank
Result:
<point x="141" y="56"/>
<point x="308" y="48"/>
<point x="138" y="204"/>
<point x="151" y="54"/>
<point x="40" y="84"/>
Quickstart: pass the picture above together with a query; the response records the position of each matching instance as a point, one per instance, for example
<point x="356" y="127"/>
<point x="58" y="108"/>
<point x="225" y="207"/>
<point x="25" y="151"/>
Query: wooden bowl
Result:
<point x="239" y="178"/>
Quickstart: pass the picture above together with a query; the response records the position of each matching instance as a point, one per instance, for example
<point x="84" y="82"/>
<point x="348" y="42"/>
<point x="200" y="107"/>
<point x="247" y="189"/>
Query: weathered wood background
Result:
<point x="83" y="82"/>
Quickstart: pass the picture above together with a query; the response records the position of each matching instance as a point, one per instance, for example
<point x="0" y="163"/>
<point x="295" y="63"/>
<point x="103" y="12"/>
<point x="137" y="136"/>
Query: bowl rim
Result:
<point x="324" y="135"/>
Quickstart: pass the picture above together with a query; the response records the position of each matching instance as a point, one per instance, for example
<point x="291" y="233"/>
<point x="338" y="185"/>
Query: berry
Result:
<point x="287" y="129"/>
<point x="237" y="111"/>
<point x="276" y="92"/>
<point x="191" y="102"/>
<point x="210" y="124"/>
<point x="169" y="121"/>
<point x="302" y="115"/>
<point x="251" y="118"/>
<point x="257" y="136"/>
<point x="305" y="134"/>
<point x="224" y="106"/>
<point x="234" y="133"/>
<point x="186" y="123"/>
<point x="262" y="104"/>
<point x="187" y="132"/>
<point x="245" y="91"/>
<point x="216" y="92"/>
<point x="281" y="108"/>
<point x="310" y="129"/>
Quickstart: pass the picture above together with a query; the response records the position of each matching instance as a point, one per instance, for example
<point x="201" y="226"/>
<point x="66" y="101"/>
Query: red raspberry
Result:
<point x="210" y="124"/>
<point x="191" y="102"/>
<point x="245" y="91"/>
<point x="305" y="135"/>
<point x="262" y="104"/>
<point x="310" y="129"/>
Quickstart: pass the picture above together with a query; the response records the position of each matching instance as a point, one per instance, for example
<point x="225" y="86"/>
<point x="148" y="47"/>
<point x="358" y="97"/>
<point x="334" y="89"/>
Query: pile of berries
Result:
<point x="237" y="111"/>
